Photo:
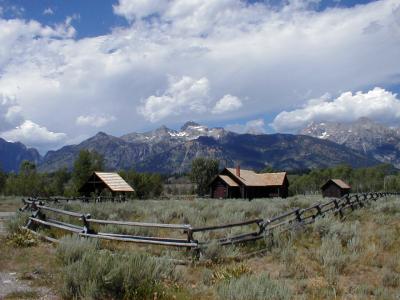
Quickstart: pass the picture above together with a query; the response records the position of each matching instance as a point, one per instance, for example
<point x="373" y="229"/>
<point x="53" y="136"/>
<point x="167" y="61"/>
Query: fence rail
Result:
<point x="285" y="221"/>
<point x="82" y="199"/>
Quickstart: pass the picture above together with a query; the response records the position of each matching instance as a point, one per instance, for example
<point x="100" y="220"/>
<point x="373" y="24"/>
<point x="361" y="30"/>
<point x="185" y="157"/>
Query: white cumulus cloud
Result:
<point x="377" y="104"/>
<point x="226" y="104"/>
<point x="138" y="9"/>
<point x="34" y="135"/>
<point x="274" y="57"/>
<point x="183" y="95"/>
<point x="256" y="126"/>
<point x="10" y="112"/>
<point x="94" y="120"/>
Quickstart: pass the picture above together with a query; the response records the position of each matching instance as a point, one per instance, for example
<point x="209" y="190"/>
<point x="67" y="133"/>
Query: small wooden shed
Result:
<point x="336" y="188"/>
<point x="100" y="181"/>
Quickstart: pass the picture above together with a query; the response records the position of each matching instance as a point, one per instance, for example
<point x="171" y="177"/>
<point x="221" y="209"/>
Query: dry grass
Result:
<point x="35" y="266"/>
<point x="353" y="258"/>
<point x="10" y="204"/>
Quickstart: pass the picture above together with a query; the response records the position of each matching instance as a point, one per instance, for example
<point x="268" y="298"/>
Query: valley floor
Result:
<point x="351" y="258"/>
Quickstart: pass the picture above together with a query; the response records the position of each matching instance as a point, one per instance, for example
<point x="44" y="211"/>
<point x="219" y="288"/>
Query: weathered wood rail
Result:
<point x="295" y="218"/>
<point x="82" y="199"/>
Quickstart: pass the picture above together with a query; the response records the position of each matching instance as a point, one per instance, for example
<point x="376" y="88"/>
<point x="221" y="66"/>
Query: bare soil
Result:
<point x="19" y="279"/>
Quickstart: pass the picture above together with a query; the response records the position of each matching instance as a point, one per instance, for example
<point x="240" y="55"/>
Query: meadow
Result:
<point x="355" y="257"/>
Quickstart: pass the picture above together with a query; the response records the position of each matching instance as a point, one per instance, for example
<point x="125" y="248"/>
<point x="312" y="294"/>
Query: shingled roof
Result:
<point x="229" y="181"/>
<point x="114" y="182"/>
<point x="250" y="178"/>
<point x="340" y="183"/>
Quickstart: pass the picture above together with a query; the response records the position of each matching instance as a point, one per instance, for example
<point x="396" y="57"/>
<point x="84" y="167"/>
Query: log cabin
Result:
<point x="247" y="184"/>
<point x="335" y="188"/>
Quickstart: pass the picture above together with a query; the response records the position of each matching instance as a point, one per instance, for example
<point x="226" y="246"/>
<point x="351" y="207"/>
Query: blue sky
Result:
<point x="94" y="17"/>
<point x="71" y="68"/>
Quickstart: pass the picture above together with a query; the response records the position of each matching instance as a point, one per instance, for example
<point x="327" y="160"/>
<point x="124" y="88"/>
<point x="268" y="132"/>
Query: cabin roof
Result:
<point x="251" y="178"/>
<point x="229" y="181"/>
<point x="339" y="182"/>
<point x="114" y="182"/>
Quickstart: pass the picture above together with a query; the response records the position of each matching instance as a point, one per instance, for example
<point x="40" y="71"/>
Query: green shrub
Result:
<point x="385" y="237"/>
<point x="253" y="287"/>
<point x="229" y="272"/>
<point x="216" y="253"/>
<point x="100" y="274"/>
<point x="207" y="277"/>
<point x="322" y="226"/>
<point x="344" y="231"/>
<point x="391" y="279"/>
<point x="22" y="238"/>
<point x="332" y="258"/>
<point x="14" y="224"/>
<point x="72" y="248"/>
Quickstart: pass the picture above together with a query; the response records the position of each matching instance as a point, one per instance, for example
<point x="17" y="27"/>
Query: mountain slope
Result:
<point x="13" y="154"/>
<point x="129" y="150"/>
<point x="169" y="151"/>
<point x="363" y="135"/>
<point x="118" y="153"/>
<point x="189" y="131"/>
<point x="280" y="151"/>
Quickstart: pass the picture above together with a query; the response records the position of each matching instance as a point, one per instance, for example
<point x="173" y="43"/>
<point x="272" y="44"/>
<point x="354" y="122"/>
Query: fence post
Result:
<point x="189" y="232"/>
<point x="298" y="215"/>
<point x="319" y="211"/>
<point x="262" y="225"/>
<point x="86" y="226"/>
<point x="348" y="202"/>
<point x="35" y="214"/>
<point x="359" y="201"/>
<point x="338" y="209"/>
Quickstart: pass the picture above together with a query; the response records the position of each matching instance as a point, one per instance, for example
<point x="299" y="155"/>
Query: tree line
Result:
<point x="63" y="182"/>
<point x="29" y="182"/>
<point x="382" y="177"/>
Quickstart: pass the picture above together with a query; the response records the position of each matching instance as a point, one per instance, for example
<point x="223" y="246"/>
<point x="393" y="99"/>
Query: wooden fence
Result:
<point x="288" y="220"/>
<point x="119" y="198"/>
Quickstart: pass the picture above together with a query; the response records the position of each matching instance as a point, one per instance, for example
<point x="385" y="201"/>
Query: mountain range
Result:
<point x="166" y="150"/>
<point x="363" y="135"/>
<point x="13" y="154"/>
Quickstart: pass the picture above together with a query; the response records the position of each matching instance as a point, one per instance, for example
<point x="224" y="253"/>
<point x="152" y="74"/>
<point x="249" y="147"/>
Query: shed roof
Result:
<point x="251" y="178"/>
<point x="339" y="182"/>
<point x="229" y="181"/>
<point x="114" y="182"/>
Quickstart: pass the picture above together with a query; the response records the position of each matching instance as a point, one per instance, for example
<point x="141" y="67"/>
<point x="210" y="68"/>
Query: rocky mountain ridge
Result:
<point x="189" y="131"/>
<point x="166" y="150"/>
<point x="13" y="154"/>
<point x="363" y="135"/>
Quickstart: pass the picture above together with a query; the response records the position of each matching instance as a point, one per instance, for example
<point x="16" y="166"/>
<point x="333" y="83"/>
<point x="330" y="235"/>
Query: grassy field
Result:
<point x="10" y="204"/>
<point x="352" y="258"/>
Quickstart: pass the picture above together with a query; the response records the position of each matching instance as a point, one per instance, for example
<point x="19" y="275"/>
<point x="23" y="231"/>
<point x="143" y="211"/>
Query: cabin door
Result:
<point x="220" y="191"/>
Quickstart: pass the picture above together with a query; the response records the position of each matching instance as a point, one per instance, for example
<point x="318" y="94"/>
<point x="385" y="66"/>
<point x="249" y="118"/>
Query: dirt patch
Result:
<point x="13" y="287"/>
<point x="9" y="283"/>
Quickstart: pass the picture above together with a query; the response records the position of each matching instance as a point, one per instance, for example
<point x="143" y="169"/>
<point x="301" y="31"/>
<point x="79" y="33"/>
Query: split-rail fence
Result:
<point x="295" y="218"/>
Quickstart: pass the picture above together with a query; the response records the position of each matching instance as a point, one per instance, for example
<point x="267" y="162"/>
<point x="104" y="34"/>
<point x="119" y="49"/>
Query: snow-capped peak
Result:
<point x="189" y="131"/>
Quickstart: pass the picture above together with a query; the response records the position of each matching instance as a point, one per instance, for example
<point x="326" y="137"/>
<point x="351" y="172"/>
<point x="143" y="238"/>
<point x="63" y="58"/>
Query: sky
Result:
<point x="69" y="69"/>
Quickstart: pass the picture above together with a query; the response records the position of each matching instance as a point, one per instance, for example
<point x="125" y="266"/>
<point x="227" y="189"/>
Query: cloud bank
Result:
<point x="35" y="135"/>
<point x="377" y="104"/>
<point x="185" y="95"/>
<point x="227" y="103"/>
<point x="94" y="121"/>
<point x="256" y="126"/>
<point x="209" y="60"/>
